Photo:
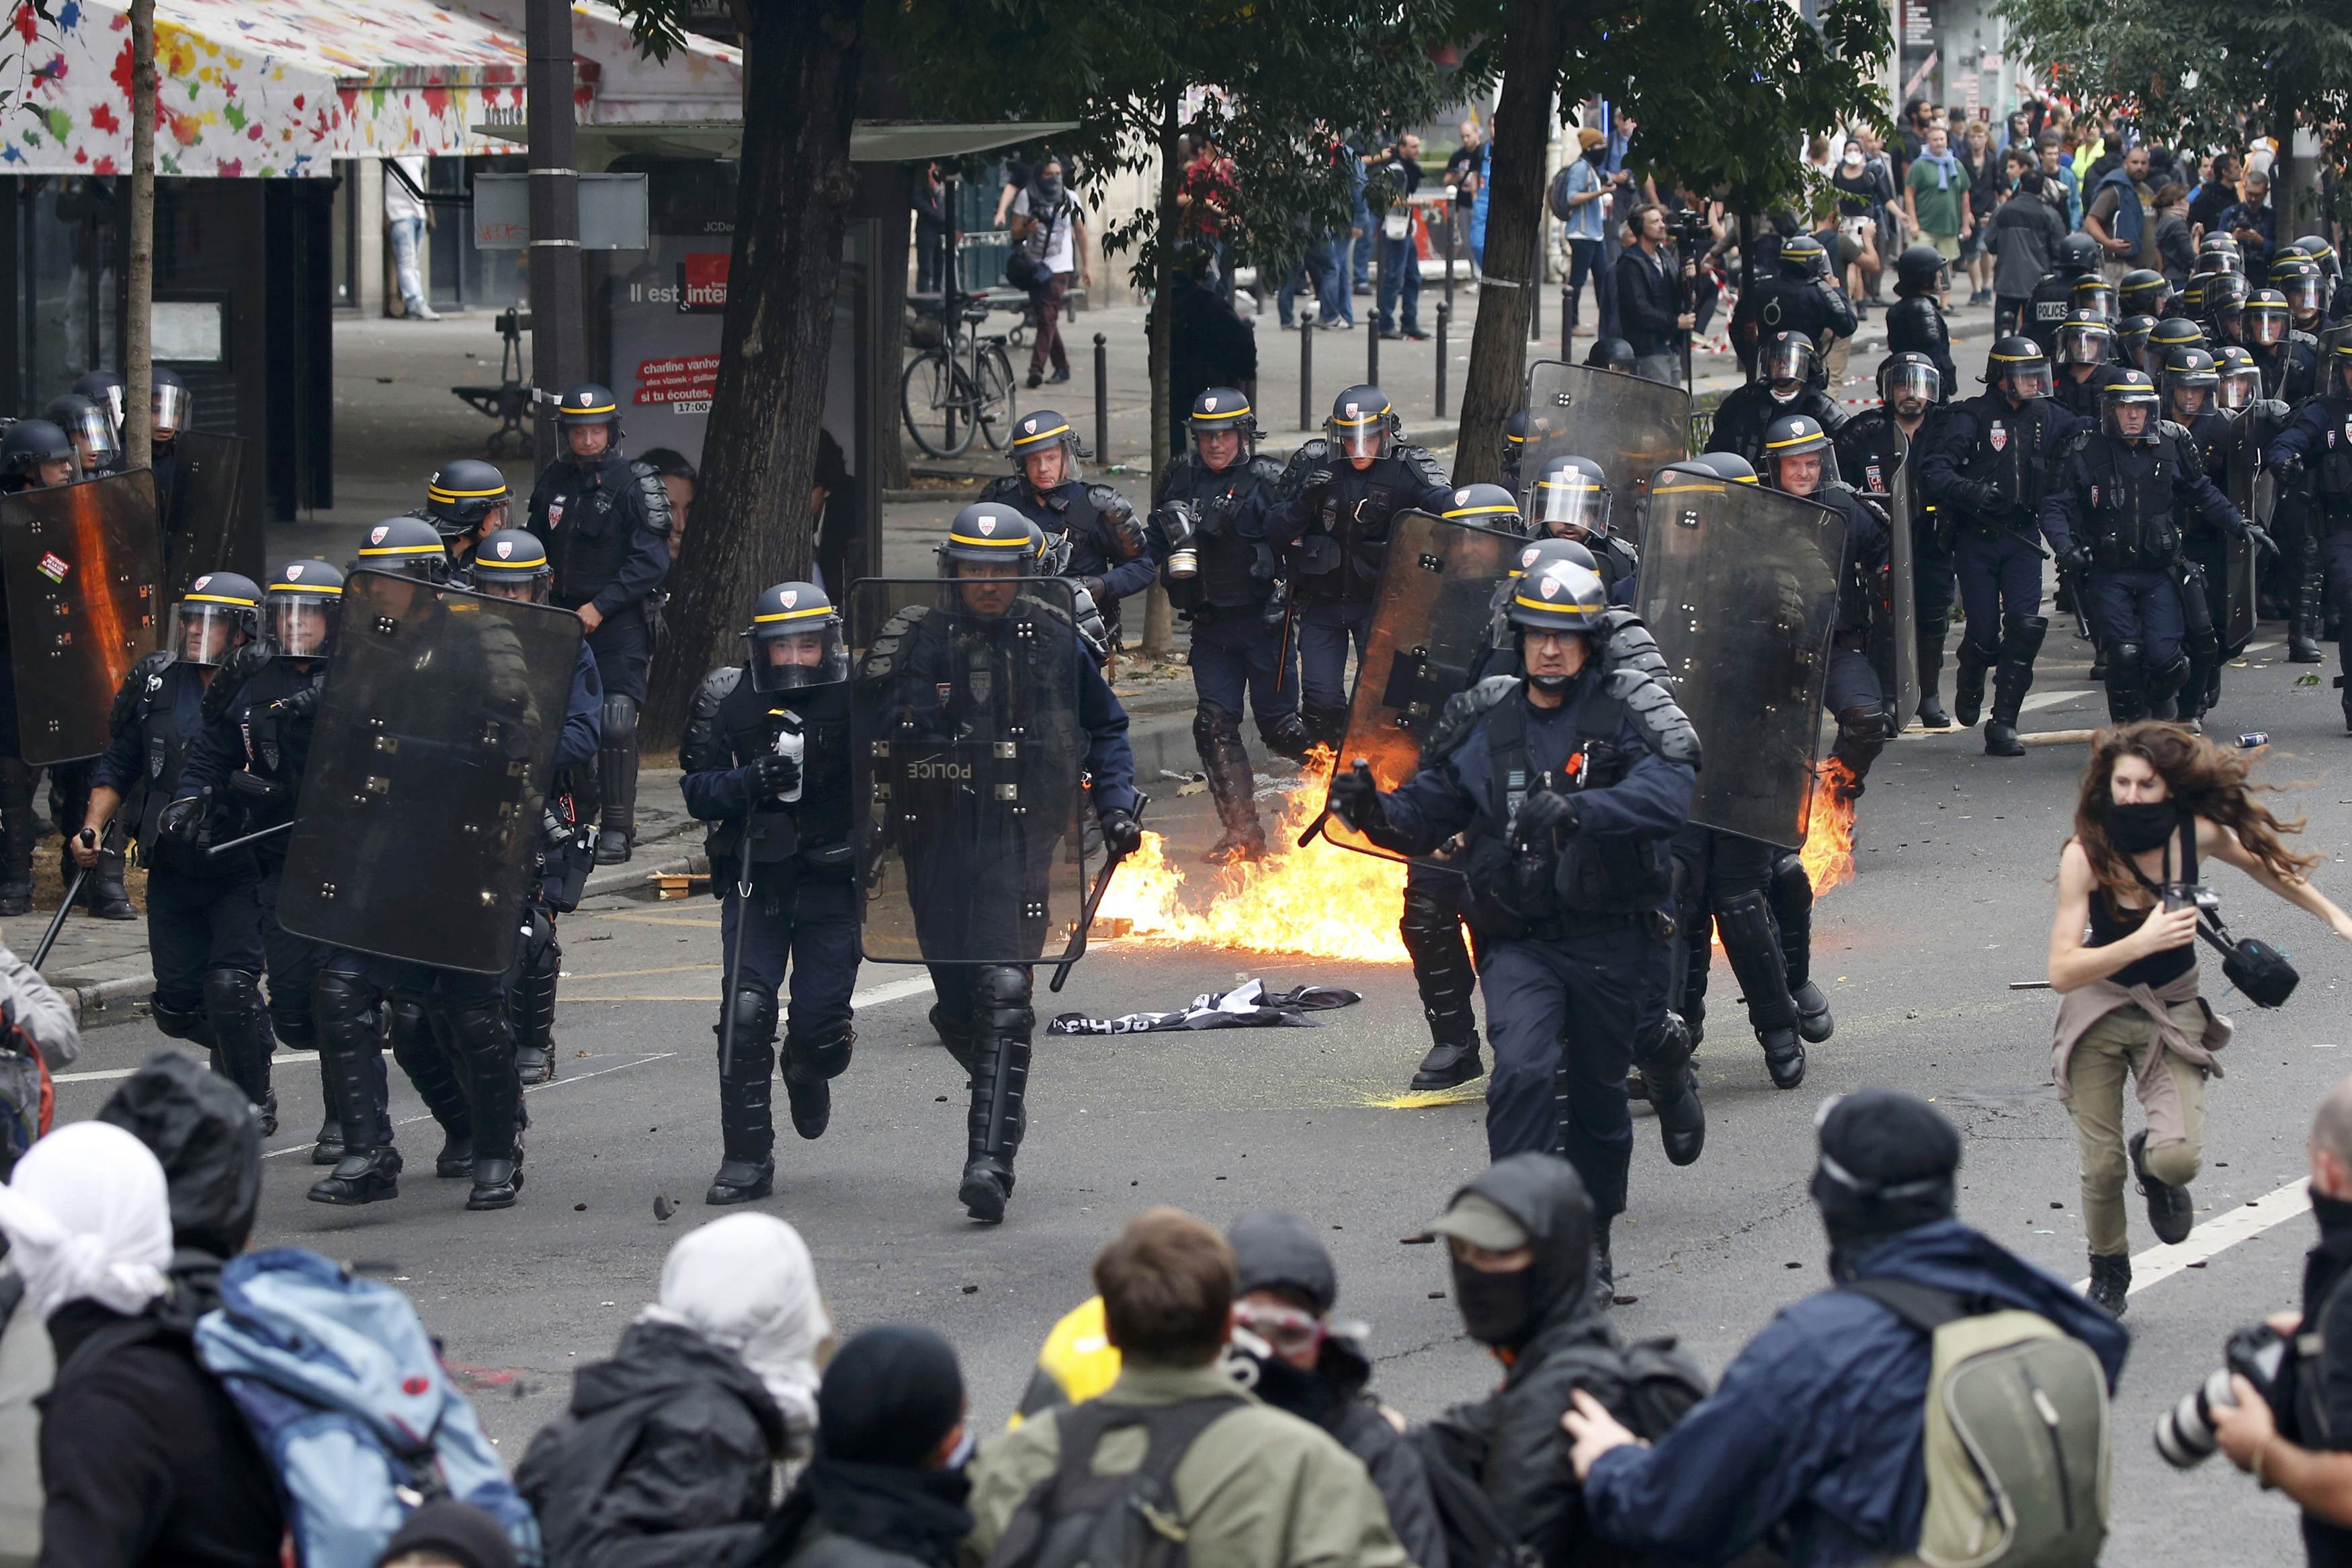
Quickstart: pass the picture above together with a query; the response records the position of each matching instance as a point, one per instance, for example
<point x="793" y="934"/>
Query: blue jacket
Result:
<point x="1820" y="1424"/>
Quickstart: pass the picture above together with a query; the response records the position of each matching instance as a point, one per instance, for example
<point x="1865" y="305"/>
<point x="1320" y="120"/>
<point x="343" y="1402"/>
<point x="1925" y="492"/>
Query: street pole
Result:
<point x="1444" y="317"/>
<point x="1305" y="372"/>
<point x="138" y="378"/>
<point x="559" y="355"/>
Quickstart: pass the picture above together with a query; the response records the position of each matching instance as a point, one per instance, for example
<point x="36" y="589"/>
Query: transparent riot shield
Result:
<point x="81" y="564"/>
<point x="966" y="754"/>
<point x="1740" y="588"/>
<point x="214" y="525"/>
<point x="1903" y="505"/>
<point x="422" y="808"/>
<point x="1435" y="618"/>
<point x="2254" y="492"/>
<point x="1632" y="427"/>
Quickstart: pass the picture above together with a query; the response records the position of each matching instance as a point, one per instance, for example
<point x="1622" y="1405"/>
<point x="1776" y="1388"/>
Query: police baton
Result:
<point x="1094" y="902"/>
<point x="1324" y="816"/>
<point x="65" y="906"/>
<point x="735" y="951"/>
<point x="239" y="843"/>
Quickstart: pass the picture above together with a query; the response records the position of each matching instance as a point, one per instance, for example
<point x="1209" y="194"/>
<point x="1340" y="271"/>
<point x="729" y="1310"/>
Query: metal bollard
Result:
<point x="1535" y="289"/>
<point x="1102" y="401"/>
<point x="1373" y="321"/>
<point x="1305" y="372"/>
<point x="1444" y="315"/>
<point x="1449" y="254"/>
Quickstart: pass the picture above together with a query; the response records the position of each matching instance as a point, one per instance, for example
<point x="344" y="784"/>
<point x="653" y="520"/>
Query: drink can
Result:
<point x="2253" y="739"/>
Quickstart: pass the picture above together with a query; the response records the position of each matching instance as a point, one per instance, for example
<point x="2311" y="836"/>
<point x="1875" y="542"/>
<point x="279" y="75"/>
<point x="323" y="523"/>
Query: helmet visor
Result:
<point x="1569" y="505"/>
<point x="1363" y="438"/>
<point x="93" y="435"/>
<point x="2302" y="293"/>
<point x="810" y="654"/>
<point x="302" y="625"/>
<point x="1912" y="384"/>
<point x="2128" y="418"/>
<point x="1788" y="358"/>
<point x="1803" y="471"/>
<point x="2265" y="324"/>
<point x="2188" y="394"/>
<point x="1221" y="446"/>
<point x="526" y="588"/>
<point x="172" y="407"/>
<point x="203" y="633"/>
<point x="2084" y="343"/>
<point x="2241" y="386"/>
<point x="2026" y="382"/>
<point x="2097" y="298"/>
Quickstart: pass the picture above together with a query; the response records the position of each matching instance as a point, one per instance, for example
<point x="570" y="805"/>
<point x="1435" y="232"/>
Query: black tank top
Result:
<point x="2108" y="927"/>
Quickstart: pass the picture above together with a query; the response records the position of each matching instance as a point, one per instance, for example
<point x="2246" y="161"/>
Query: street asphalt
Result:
<point x="1950" y="909"/>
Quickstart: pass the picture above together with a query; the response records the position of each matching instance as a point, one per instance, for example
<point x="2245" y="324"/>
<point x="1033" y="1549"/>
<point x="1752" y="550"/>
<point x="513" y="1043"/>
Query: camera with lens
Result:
<point x="2184" y="1433"/>
<point x="2179" y="895"/>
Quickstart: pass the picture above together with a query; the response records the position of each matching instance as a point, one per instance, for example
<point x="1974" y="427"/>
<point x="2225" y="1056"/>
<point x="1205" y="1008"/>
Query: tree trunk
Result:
<point x="138" y="371"/>
<point x="1158" y="628"/>
<point x="1537" y="35"/>
<point x="752" y="521"/>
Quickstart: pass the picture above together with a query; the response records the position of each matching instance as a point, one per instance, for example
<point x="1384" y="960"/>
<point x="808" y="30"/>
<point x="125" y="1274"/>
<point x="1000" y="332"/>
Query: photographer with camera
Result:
<point x="2291" y="1434"/>
<point x="2155" y="802"/>
<point x="1654" y="305"/>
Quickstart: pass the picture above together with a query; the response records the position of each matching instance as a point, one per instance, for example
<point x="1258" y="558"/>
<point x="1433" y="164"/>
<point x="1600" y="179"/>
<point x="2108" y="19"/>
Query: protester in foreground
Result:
<point x="1255" y="1487"/>
<point x="447" y="1533"/>
<point x="202" y="1129"/>
<point x="668" y="1453"/>
<point x="1818" y="1427"/>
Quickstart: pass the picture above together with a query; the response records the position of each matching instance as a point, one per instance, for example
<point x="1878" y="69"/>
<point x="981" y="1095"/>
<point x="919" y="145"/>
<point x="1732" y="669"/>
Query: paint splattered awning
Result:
<point x="276" y="87"/>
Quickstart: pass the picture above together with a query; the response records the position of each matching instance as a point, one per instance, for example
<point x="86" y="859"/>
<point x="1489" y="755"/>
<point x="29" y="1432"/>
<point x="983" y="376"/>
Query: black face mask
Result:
<point x="2141" y="826"/>
<point x="2334" y="1214"/>
<point x="1496" y="1309"/>
<point x="1596" y="153"/>
<point x="1050" y="187"/>
<point x="1303" y="1395"/>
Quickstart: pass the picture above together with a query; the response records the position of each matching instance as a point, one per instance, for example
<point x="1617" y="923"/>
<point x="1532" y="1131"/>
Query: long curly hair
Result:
<point x="2203" y="778"/>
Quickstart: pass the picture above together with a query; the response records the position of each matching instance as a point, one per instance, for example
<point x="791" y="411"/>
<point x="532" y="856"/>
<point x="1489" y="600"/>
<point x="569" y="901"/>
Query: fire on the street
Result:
<point x="1828" y="835"/>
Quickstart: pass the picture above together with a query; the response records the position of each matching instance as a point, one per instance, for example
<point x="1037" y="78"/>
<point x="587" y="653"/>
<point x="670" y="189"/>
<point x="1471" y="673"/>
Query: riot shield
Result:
<point x="81" y="564"/>
<point x="1903" y="505"/>
<point x="421" y="813"/>
<point x="966" y="754"/>
<point x="1435" y="617"/>
<point x="2254" y="493"/>
<point x="1739" y="586"/>
<point x="1629" y="425"/>
<point x="212" y="526"/>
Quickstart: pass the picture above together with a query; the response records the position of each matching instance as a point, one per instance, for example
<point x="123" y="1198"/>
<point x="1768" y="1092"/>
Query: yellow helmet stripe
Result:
<point x="1061" y="429"/>
<point x="220" y="599"/>
<point x="322" y="588"/>
<point x="1016" y="541"/>
<point x="1481" y="511"/>
<point x="510" y="565"/>
<point x="436" y="493"/>
<point x="1593" y="607"/>
<point x="1582" y="482"/>
<point x="1794" y="440"/>
<point x="1221" y="413"/>
<point x="600" y="408"/>
<point x="1699" y="487"/>
<point x="793" y="614"/>
<point x="434" y="549"/>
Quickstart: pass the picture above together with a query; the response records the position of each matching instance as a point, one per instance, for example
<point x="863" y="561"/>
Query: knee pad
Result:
<point x="1001" y="994"/>
<point x="344" y="1006"/>
<point x="1790" y="891"/>
<point x="232" y="992"/>
<point x="1212" y="725"/>
<point x="755" y="1018"/>
<point x="2164" y="681"/>
<point x="2021" y="636"/>
<point x="1978" y="653"/>
<point x="1663" y="1049"/>
<point x="1861" y="735"/>
<point x="620" y="719"/>
<point x="179" y="1023"/>
<point x="291" y="1022"/>
<point x="1751" y="941"/>
<point x="1431" y="912"/>
<point x="1284" y="736"/>
<point x="816" y="1056"/>
<point x="2124" y="661"/>
<point x="478" y="1028"/>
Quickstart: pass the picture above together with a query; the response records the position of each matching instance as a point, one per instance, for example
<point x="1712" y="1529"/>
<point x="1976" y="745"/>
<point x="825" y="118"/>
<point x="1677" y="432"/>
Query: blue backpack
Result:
<point x="345" y="1393"/>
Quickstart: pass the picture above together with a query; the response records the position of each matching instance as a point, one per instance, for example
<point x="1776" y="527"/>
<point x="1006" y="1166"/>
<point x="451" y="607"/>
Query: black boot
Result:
<point x="1792" y="912"/>
<point x="2111" y="1283"/>
<point x="1431" y="927"/>
<point x="2171" y="1211"/>
<point x="810" y="1066"/>
<point x="747" y="1083"/>
<point x="1970" y="668"/>
<point x="1604" y="1266"/>
<point x="102" y="890"/>
<point x="327" y="1148"/>
<point x="2309" y="621"/>
<point x="616" y="780"/>
<point x="16" y="836"/>
<point x="484" y="1045"/>
<point x="239" y="1029"/>
<point x="1324" y="726"/>
<point x="1662" y="1065"/>
<point x="1933" y="630"/>
<point x="2021" y="640"/>
<point x="1000" y="1081"/>
<point x="369" y="1171"/>
<point x="531" y="1012"/>
<point x="1218" y="736"/>
<point x="1751" y="940"/>
<point x="425" y="1052"/>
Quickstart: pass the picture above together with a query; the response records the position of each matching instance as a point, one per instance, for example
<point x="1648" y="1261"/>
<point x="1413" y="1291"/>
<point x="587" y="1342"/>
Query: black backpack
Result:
<point x="1074" y="1517"/>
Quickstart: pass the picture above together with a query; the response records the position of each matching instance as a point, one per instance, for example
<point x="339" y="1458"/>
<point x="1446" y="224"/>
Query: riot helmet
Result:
<point x="2131" y="334"/>
<point x="301" y="610"/>
<point x="2242" y="379"/>
<point x="991" y="532"/>
<point x="467" y="496"/>
<point x="408" y="547"/>
<point x="2191" y="302"/>
<point x="1908" y="383"/>
<point x="2298" y="281"/>
<point x="1537" y="554"/>
<point x="170" y="404"/>
<point x="2127" y="407"/>
<point x="2189" y="384"/>
<point x="1799" y="454"/>
<point x="2219" y="253"/>
<point x="1610" y="354"/>
<point x="220" y="611"/>
<point x="1558" y="597"/>
<point x="2263" y="319"/>
<point x="511" y="564"/>
<point x="2173" y="332"/>
<point x="104" y="388"/>
<point x="2144" y="292"/>
<point x="1483" y="506"/>
<point x="1045" y="450"/>
<point x="1570" y="500"/>
<point x="2225" y="297"/>
<point x="582" y="410"/>
<point x="1223" y="412"/>
<point x="1917" y="269"/>
<point x="795" y="637"/>
<point x="1803" y="255"/>
<point x="2085" y="339"/>
<point x="1726" y="465"/>
<point x="1787" y="362"/>
<point x="2078" y="254"/>
<point x="89" y="427"/>
<point x="35" y="455"/>
<point x="2017" y="369"/>
<point x="2322" y="254"/>
<point x="2090" y="296"/>
<point x="2336" y="375"/>
<point x="1363" y="427"/>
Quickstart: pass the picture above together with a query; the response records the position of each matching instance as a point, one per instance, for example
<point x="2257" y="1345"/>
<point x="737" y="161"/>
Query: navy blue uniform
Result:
<point x="2080" y="397"/>
<point x="1915" y="324"/>
<point x="2320" y="442"/>
<point x="1853" y="693"/>
<point x="1866" y="449"/>
<point x="1107" y="550"/>
<point x="1747" y="411"/>
<point x="565" y="862"/>
<point x="2290" y="369"/>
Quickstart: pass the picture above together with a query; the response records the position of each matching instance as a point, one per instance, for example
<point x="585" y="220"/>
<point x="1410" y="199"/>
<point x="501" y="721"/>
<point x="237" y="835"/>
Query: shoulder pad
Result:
<point x="1662" y="724"/>
<point x="241" y="666"/>
<point x="700" y="749"/>
<point x="1620" y="550"/>
<point x="655" y="497"/>
<point x="2077" y="439"/>
<point x="1626" y="644"/>
<point x="717" y="687"/>
<point x="1424" y="464"/>
<point x="2176" y="431"/>
<point x="137" y="682"/>
<point x="1310" y="455"/>
<point x="1107" y="500"/>
<point x="1265" y="470"/>
<point x="1003" y="487"/>
<point x="882" y="653"/>
<point x="1461" y="714"/>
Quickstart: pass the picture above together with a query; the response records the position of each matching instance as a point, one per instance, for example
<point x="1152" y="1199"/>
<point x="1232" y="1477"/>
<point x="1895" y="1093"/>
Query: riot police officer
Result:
<point x="1915" y="322"/>
<point x="2144" y="291"/>
<point x="1800" y="297"/>
<point x="98" y="449"/>
<point x="2226" y="294"/>
<point x="1786" y="381"/>
<point x="1800" y="460"/>
<point x="250" y="753"/>
<point x="104" y="388"/>
<point x="2319" y="443"/>
<point x="1875" y="447"/>
<point x="1611" y="354"/>
<point x="2131" y="343"/>
<point x="605" y="521"/>
<point x="2087" y="361"/>
<point x="1207" y="515"/>
<point x="1987" y="474"/>
<point x="465" y="499"/>
<point x="2290" y="368"/>
<point x="766" y="760"/>
<point x="1330" y="521"/>
<point x="204" y="911"/>
<point x="1516" y="435"/>
<point x="1091" y="529"/>
<point x="2054" y="294"/>
<point x="1572" y="500"/>
<point x="1567" y="782"/>
<point x="170" y="407"/>
<point x="2116" y="511"/>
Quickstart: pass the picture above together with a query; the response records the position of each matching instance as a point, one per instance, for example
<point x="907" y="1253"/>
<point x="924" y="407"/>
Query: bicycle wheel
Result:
<point x="994" y="404"/>
<point x="935" y="399"/>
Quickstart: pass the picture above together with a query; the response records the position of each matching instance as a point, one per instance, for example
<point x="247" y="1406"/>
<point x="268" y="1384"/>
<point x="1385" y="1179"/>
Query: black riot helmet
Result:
<point x="1558" y="596"/>
<point x="104" y="388"/>
<point x="2090" y="296"/>
<point x="1483" y="506"/>
<point x="464" y="495"/>
<point x="2131" y="336"/>
<point x="305" y="601"/>
<point x="2128" y="399"/>
<point x="2336" y="372"/>
<point x="2219" y="253"/>
<point x="1610" y="354"/>
<point x="2191" y="302"/>
<point x="1917" y="269"/>
<point x="583" y="407"/>
<point x="2225" y="295"/>
<point x="2263" y="320"/>
<point x="1787" y="360"/>
<point x="2085" y="339"/>
<point x="2242" y="379"/>
<point x="1537" y="554"/>
<point x="2322" y="254"/>
<point x="220" y="611"/>
<point x="1362" y="423"/>
<point x="91" y="429"/>
<point x="1569" y="499"/>
<point x="31" y="446"/>
<point x="2192" y="371"/>
<point x="2078" y="254"/>
<point x="1041" y="431"/>
<point x="169" y="401"/>
<point x="1797" y="435"/>
<point x="410" y="546"/>
<point x="1802" y="256"/>
<point x="2017" y="369"/>
<point x="1726" y="465"/>
<point x="1224" y="409"/>
<point x="2173" y="332"/>
<point x="513" y="564"/>
<point x="1909" y="376"/>
<point x="2300" y="283"/>
<point x="990" y="531"/>
<point x="795" y="637"/>
<point x="2144" y="292"/>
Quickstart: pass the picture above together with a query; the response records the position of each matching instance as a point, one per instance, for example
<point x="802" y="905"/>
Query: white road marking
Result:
<point x="534" y="1088"/>
<point x="2036" y="701"/>
<point x="2217" y="1234"/>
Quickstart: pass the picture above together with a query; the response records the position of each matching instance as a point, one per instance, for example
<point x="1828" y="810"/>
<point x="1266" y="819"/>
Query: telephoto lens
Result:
<point x="2184" y="1433"/>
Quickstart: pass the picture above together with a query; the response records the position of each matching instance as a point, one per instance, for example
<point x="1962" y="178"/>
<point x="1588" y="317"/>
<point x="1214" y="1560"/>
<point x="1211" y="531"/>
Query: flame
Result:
<point x="1828" y="831"/>
<point x="1320" y="901"/>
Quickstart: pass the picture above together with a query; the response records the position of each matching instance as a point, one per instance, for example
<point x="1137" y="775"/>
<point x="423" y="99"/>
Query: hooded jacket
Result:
<point x="667" y="1456"/>
<point x="204" y="1133"/>
<point x="1819" y="1424"/>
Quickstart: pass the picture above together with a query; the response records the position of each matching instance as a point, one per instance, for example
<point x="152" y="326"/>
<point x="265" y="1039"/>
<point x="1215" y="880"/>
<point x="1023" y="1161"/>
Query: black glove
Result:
<point x="771" y="775"/>
<point x="2263" y="540"/>
<point x="1980" y="497"/>
<point x="1122" y="835"/>
<point x="1543" y="811"/>
<point x="1317" y="478"/>
<point x="2075" y="558"/>
<point x="2287" y="468"/>
<point x="1094" y="587"/>
<point x="1355" y="800"/>
<point x="182" y="821"/>
<point x="296" y="706"/>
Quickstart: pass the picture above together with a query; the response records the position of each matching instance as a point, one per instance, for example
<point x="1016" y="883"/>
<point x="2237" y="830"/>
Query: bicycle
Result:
<point x="958" y="387"/>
